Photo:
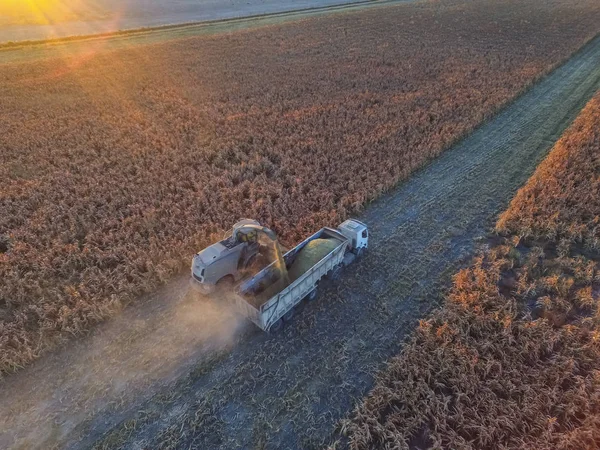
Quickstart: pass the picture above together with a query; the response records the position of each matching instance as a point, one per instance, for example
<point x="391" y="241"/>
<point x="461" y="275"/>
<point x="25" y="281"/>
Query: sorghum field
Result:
<point x="513" y="359"/>
<point x="118" y="165"/>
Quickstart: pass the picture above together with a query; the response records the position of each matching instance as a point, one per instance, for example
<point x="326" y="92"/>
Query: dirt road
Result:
<point x="289" y="390"/>
<point x="102" y="16"/>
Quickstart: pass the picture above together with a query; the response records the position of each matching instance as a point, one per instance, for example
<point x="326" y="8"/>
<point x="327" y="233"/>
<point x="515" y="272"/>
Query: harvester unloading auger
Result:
<point x="269" y="296"/>
<point x="250" y="231"/>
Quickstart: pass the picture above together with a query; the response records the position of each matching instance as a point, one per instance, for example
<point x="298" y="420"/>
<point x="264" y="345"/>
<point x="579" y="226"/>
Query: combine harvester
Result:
<point x="268" y="297"/>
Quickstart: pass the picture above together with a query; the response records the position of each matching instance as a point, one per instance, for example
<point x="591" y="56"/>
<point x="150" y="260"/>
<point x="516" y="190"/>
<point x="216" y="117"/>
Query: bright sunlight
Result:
<point x="47" y="12"/>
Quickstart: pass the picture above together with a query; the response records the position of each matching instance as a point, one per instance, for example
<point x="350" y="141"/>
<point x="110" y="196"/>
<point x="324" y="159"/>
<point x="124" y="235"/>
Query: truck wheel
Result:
<point x="335" y="273"/>
<point x="359" y="252"/>
<point x="224" y="285"/>
<point x="288" y="315"/>
<point x="276" y="327"/>
<point x="312" y="295"/>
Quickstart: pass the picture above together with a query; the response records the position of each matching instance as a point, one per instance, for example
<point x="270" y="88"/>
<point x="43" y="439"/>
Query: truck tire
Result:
<point x="225" y="285"/>
<point x="288" y="315"/>
<point x="359" y="252"/>
<point x="335" y="273"/>
<point x="276" y="327"/>
<point x="312" y="295"/>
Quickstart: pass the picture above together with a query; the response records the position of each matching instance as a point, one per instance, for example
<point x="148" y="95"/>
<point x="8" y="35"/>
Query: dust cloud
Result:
<point x="118" y="366"/>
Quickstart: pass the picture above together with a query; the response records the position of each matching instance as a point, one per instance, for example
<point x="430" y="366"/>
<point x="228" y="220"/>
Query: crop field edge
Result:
<point x="207" y="27"/>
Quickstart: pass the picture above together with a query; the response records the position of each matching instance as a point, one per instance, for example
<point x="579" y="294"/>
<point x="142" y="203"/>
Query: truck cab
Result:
<point x="357" y="233"/>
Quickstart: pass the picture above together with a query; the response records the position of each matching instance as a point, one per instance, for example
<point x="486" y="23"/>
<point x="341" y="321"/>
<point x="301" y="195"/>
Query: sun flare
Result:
<point x="41" y="12"/>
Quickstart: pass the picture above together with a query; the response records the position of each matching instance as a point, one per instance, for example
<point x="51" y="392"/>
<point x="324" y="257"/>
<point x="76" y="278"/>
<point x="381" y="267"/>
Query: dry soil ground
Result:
<point x="247" y="389"/>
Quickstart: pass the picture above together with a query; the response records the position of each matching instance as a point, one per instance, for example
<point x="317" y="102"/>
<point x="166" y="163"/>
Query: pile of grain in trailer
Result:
<point x="313" y="252"/>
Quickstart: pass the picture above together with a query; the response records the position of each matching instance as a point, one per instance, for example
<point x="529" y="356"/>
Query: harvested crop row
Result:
<point x="117" y="165"/>
<point x="512" y="359"/>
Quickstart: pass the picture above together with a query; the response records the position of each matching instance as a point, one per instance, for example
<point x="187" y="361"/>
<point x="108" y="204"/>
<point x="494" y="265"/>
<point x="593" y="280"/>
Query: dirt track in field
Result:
<point x="290" y="390"/>
<point x="191" y="374"/>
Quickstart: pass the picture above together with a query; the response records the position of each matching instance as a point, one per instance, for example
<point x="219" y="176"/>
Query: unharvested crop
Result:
<point x="118" y="165"/>
<point x="561" y="202"/>
<point x="512" y="359"/>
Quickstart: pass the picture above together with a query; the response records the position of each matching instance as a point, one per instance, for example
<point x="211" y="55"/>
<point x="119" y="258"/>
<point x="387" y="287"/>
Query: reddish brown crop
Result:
<point x="561" y="202"/>
<point x="118" y="165"/>
<point x="512" y="359"/>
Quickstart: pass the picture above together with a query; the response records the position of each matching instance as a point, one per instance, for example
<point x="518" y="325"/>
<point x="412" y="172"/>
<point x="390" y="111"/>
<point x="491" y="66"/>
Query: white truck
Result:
<point x="268" y="297"/>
